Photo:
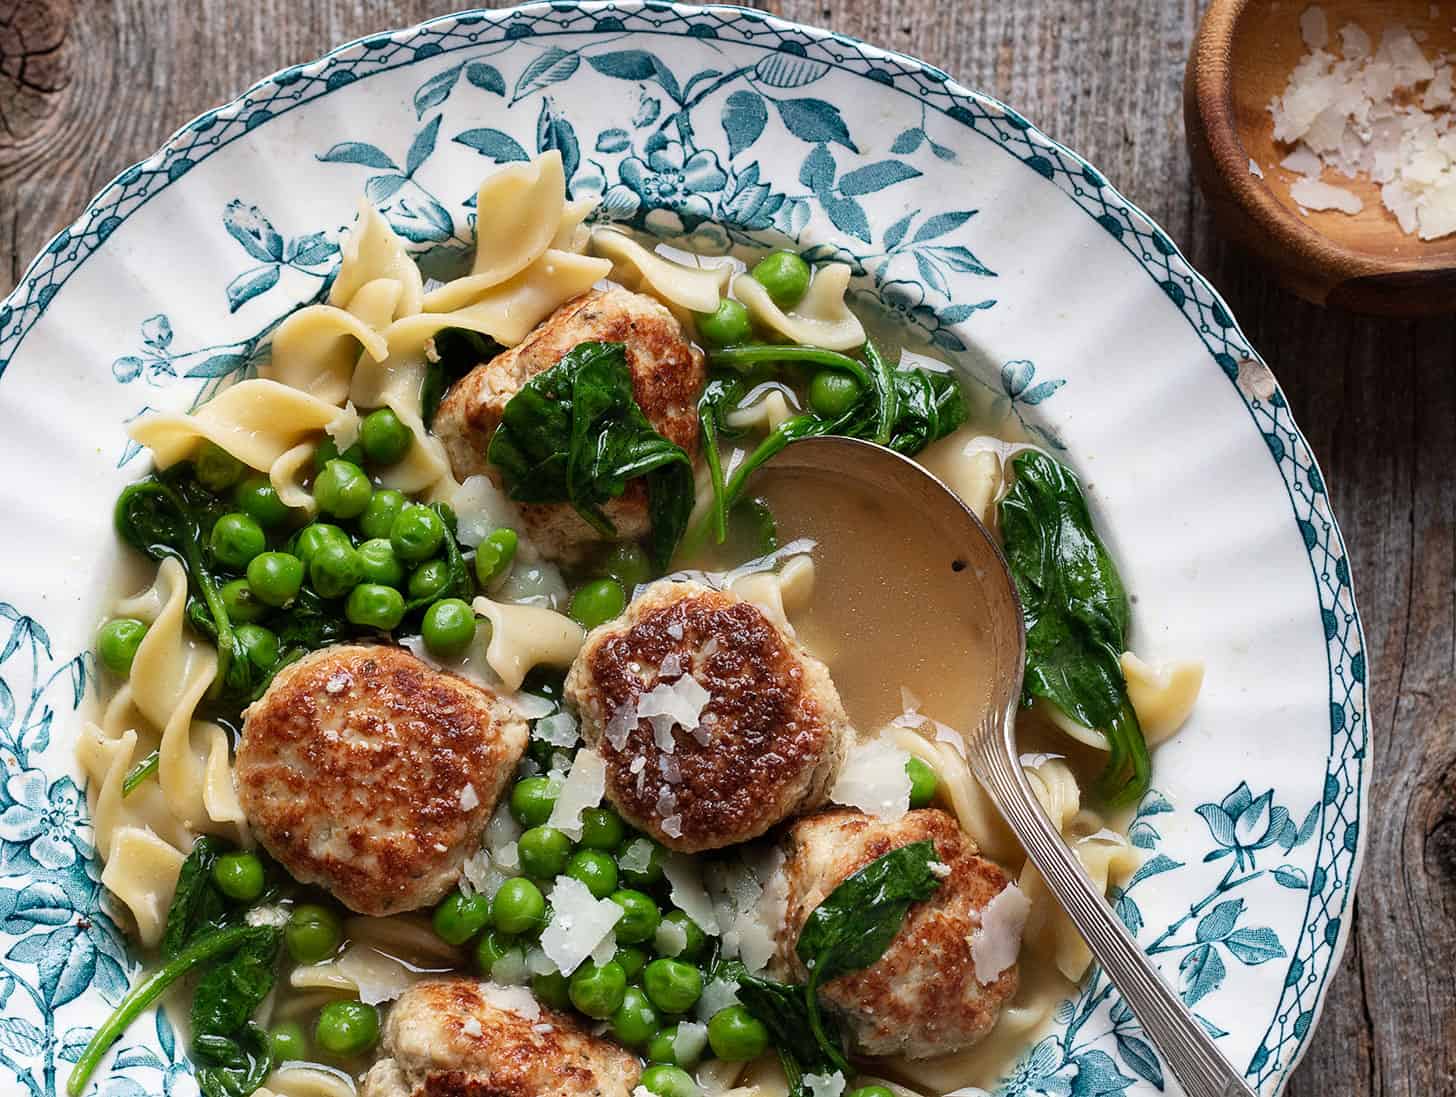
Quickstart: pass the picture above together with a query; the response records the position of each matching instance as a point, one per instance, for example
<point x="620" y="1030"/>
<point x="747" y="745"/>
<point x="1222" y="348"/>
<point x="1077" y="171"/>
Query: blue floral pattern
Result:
<point x="702" y="155"/>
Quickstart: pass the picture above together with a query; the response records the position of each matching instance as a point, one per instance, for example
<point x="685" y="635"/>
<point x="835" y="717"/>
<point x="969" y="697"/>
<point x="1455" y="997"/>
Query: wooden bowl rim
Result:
<point x="1210" y="77"/>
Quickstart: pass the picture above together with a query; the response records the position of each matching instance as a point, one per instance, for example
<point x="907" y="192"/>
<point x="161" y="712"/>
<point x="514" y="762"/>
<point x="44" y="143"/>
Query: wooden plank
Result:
<point x="90" y="86"/>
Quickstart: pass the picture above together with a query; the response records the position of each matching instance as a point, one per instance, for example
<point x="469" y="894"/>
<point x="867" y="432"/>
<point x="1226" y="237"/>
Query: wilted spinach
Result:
<point x="849" y="931"/>
<point x="575" y="434"/>
<point x="457" y="352"/>
<point x="903" y="409"/>
<point x="1076" y="614"/>
<point x="233" y="1067"/>
<point x="197" y="904"/>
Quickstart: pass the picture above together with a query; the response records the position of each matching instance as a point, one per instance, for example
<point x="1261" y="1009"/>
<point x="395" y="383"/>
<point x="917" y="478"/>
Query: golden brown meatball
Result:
<point x="768" y="738"/>
<point x="667" y="376"/>
<point x="363" y="770"/>
<point x="453" y="1038"/>
<point x="921" y="998"/>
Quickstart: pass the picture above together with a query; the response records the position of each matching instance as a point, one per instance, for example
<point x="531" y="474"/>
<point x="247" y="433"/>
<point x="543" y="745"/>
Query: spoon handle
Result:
<point x="1188" y="1049"/>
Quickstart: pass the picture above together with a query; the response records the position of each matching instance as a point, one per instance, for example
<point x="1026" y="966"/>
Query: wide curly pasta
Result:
<point x="1107" y="858"/>
<point x="698" y="289"/>
<point x="780" y="594"/>
<point x="974" y="471"/>
<point x="315" y="349"/>
<point x="1162" y="695"/>
<point x="307" y="1081"/>
<point x="372" y="252"/>
<point x="820" y="319"/>
<point x="522" y="637"/>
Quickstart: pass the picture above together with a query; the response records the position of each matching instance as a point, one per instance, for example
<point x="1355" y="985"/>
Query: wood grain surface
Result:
<point x="89" y="86"/>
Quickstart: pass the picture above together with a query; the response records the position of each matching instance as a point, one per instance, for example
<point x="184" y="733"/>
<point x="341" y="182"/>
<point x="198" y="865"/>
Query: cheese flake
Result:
<point x="513" y="999"/>
<point x="579" y="923"/>
<point x="874" y="780"/>
<point x="583" y="788"/>
<point x="996" y="942"/>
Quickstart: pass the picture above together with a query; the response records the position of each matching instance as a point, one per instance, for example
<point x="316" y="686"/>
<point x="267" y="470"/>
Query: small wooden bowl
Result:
<point x="1241" y="59"/>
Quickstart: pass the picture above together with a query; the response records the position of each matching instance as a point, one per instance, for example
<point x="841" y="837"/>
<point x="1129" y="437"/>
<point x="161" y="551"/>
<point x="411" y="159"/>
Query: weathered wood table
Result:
<point x="88" y="86"/>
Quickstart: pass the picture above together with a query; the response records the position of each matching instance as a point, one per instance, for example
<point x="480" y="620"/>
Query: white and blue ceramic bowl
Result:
<point x="1072" y="311"/>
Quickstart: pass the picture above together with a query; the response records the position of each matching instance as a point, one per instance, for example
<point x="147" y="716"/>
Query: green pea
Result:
<point x="235" y="540"/>
<point x="239" y="876"/>
<point x="288" y="1043"/>
<point x="669" y="1081"/>
<point x="256" y="498"/>
<point x="736" y="1035"/>
<point x="385" y="439"/>
<point x="448" y="627"/>
<point x="662" y="1048"/>
<point x="259" y="644"/>
<point x="923" y="782"/>
<point x="275" y="577"/>
<point x="429" y="579"/>
<point x="315" y="536"/>
<point x="871" y="1091"/>
<point x="639" y="916"/>
<point x="242" y="605"/>
<point x="726" y="325"/>
<point x="833" y="392"/>
<point x="632" y="854"/>
<point x="595" y="869"/>
<point x="373" y="605"/>
<point x="673" y="986"/>
<point x="313" y="933"/>
<point x="543" y="852"/>
<point x="601" y="828"/>
<point x="335" y="569"/>
<point x="379" y="562"/>
<point x="457" y="918"/>
<point x="379" y="515"/>
<point x="635" y="1020"/>
<point x="347" y="1028"/>
<point x="490" y="948"/>
<point x="117" y="642"/>
<point x="697" y="940"/>
<point x="416" y="533"/>
<point x="632" y="960"/>
<point x="532" y="800"/>
<point x="216" y="468"/>
<point x="328" y="450"/>
<point x="518" y="907"/>
<point x="598" y="990"/>
<point x="628" y="564"/>
<point x="785" y="275"/>
<point x="597" y="602"/>
<point x="342" y="489"/>
<point x="493" y="556"/>
<point x="553" y="988"/>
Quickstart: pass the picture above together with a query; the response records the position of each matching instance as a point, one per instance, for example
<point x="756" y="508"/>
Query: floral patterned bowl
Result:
<point x="1068" y="308"/>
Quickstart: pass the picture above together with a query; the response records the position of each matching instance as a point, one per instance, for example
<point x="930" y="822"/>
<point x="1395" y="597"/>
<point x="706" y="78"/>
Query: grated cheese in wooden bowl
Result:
<point x="1383" y="112"/>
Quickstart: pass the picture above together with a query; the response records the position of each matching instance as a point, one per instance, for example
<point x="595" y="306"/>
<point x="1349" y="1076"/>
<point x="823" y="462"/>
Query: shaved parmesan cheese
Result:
<point x="671" y="938"/>
<point x="344" y="427"/>
<point x="666" y="704"/>
<point x="267" y="915"/>
<point x="510" y="969"/>
<point x="691" y="1039"/>
<point x="717" y="994"/>
<point x="530" y="706"/>
<point x="379" y="978"/>
<point x="688" y="893"/>
<point x="824" y="1085"/>
<point x="538" y="963"/>
<point x="638" y="764"/>
<point x="1255" y="169"/>
<point x="507" y="859"/>
<point x="671" y="665"/>
<point x="471" y="1027"/>
<point x="620" y="725"/>
<point x="636" y="857"/>
<point x="579" y="923"/>
<point x="469" y="798"/>
<point x="480" y="508"/>
<point x="513" y="999"/>
<point x="583" y="788"/>
<point x="672" y="825"/>
<point x="1312" y="194"/>
<point x="560" y="730"/>
<point x="874" y="780"/>
<point x="1314" y="28"/>
<point x="997" y="941"/>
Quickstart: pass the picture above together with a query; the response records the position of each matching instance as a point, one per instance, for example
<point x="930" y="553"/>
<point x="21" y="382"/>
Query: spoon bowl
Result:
<point x="994" y="758"/>
<point x="1241" y="59"/>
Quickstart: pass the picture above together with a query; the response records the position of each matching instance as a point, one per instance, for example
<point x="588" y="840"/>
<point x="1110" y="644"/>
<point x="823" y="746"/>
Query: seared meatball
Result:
<point x="447" y="1038"/>
<point x="667" y="376"/>
<point x="766" y="744"/>
<point x="921" y="998"/>
<point x="363" y="770"/>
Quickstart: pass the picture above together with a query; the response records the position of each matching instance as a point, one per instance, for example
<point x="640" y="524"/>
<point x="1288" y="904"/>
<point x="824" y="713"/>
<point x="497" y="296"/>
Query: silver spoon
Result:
<point x="994" y="759"/>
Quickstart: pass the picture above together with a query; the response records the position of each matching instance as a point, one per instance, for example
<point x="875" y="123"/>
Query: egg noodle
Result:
<point x="370" y="345"/>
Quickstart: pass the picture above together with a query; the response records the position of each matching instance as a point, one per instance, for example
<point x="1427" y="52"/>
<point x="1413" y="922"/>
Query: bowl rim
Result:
<point x="28" y="300"/>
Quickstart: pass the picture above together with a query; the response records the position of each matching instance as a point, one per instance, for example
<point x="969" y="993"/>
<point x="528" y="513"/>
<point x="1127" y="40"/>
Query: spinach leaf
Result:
<point x="928" y="406"/>
<point x="197" y="905"/>
<point x="782" y="1009"/>
<point x="1076" y="612"/>
<point x="458" y="351"/>
<point x="233" y="1067"/>
<point x="574" y="433"/>
<point x="229" y="992"/>
<point x="169" y="516"/>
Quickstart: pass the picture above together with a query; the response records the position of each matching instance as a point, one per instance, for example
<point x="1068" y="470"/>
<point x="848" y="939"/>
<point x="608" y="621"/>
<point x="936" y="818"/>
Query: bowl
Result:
<point x="1071" y="315"/>
<point x="1241" y="59"/>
